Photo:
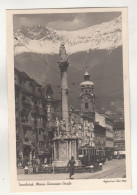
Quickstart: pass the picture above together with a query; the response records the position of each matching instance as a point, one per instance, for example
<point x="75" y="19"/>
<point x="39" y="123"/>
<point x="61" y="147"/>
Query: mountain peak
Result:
<point x="43" y="39"/>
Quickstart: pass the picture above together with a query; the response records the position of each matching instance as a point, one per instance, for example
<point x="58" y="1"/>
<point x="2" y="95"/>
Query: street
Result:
<point x="111" y="169"/>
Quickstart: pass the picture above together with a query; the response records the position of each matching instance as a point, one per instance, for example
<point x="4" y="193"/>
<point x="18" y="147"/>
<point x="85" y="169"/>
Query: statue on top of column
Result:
<point x="62" y="53"/>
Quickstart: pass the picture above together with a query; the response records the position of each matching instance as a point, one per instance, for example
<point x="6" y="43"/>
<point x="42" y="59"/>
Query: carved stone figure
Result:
<point x="57" y="125"/>
<point x="62" y="53"/>
<point x="62" y="125"/>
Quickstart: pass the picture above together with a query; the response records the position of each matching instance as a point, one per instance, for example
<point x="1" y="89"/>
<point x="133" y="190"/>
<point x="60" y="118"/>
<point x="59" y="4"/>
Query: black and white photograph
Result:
<point x="69" y="82"/>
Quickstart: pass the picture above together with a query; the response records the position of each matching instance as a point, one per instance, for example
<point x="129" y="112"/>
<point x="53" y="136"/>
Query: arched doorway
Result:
<point x="26" y="153"/>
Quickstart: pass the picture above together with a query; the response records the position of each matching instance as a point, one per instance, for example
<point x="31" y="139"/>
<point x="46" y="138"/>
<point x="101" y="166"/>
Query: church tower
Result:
<point x="87" y="96"/>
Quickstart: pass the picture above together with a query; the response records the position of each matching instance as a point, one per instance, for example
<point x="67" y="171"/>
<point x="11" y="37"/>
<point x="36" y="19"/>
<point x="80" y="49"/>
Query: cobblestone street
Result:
<point x="111" y="169"/>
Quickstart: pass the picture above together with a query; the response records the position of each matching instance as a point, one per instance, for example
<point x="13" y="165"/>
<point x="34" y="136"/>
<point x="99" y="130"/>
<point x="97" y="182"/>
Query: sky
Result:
<point x="63" y="21"/>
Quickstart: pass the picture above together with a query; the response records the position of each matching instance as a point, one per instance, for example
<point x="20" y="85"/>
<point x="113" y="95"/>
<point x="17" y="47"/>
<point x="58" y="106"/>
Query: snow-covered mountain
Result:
<point x="44" y="40"/>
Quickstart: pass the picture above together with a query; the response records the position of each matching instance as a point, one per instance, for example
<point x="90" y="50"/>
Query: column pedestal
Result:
<point x="64" y="148"/>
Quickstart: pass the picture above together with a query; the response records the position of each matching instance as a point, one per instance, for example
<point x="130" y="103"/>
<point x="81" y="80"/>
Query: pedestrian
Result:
<point x="71" y="164"/>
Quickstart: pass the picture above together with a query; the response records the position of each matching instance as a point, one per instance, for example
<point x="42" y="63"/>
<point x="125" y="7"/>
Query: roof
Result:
<point x="25" y="76"/>
<point x="35" y="83"/>
<point x="86" y="83"/>
<point x="98" y="127"/>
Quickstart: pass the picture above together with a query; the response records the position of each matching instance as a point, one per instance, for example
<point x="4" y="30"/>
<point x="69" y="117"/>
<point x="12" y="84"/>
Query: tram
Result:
<point x="89" y="155"/>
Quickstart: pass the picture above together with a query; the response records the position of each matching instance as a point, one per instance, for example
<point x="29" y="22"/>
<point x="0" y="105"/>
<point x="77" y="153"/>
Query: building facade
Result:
<point x="87" y="97"/>
<point x="34" y="110"/>
<point x="109" y="138"/>
<point x="119" y="137"/>
<point x="92" y="129"/>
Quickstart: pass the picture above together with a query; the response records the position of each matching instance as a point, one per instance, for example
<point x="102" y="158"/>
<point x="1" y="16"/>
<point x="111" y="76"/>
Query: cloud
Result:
<point x="76" y="23"/>
<point x="21" y="21"/>
<point x="25" y="21"/>
<point x="64" y="21"/>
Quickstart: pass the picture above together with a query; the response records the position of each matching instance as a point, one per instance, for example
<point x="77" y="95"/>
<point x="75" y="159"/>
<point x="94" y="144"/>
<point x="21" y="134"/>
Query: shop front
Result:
<point x="45" y="156"/>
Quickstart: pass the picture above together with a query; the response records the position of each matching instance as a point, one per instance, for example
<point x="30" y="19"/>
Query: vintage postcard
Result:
<point x="68" y="98"/>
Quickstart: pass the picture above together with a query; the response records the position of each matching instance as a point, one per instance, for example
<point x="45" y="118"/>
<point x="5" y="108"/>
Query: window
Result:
<point x="41" y="131"/>
<point x="41" y="144"/>
<point x="32" y="117"/>
<point x="40" y="104"/>
<point x="32" y="101"/>
<point x="86" y="105"/>
<point x="85" y="123"/>
<point x="79" y="127"/>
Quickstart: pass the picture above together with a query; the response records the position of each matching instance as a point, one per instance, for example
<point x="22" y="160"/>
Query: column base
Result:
<point x="64" y="163"/>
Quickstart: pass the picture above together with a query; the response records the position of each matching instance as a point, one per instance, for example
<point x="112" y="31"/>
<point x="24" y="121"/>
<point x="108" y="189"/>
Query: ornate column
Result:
<point x="63" y="65"/>
<point x="64" y="141"/>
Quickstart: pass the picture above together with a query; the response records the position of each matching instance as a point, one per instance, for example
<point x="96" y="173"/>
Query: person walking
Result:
<point x="71" y="164"/>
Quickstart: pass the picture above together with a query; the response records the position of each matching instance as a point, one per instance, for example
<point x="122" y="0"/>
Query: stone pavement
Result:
<point x="111" y="169"/>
